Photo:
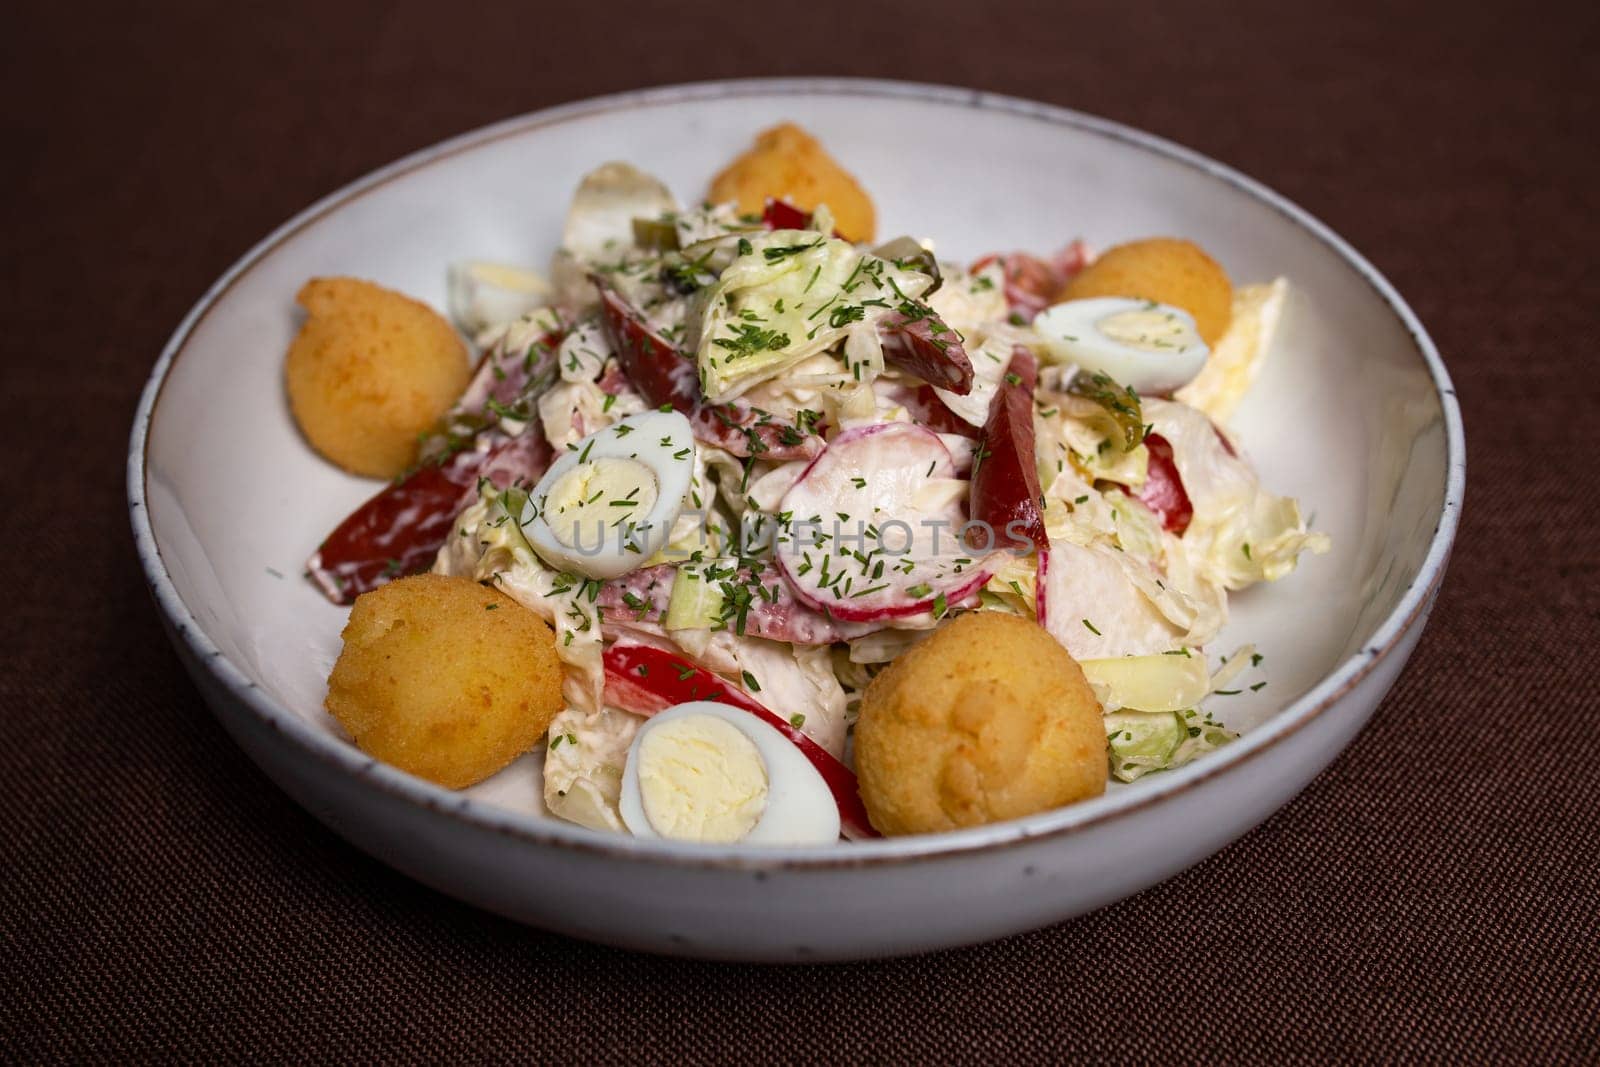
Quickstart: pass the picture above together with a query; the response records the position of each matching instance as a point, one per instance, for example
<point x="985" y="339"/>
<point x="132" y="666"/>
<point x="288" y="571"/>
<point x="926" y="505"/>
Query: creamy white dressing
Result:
<point x="787" y="323"/>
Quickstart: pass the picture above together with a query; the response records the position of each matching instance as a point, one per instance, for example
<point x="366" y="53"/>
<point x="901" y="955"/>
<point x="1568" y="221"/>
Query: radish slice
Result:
<point x="756" y="603"/>
<point x="644" y="680"/>
<point x="1031" y="283"/>
<point x="875" y="525"/>
<point x="666" y="377"/>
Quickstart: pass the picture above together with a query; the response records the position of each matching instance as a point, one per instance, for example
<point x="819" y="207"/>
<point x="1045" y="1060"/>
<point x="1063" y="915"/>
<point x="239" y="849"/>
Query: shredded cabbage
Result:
<point x="1241" y="533"/>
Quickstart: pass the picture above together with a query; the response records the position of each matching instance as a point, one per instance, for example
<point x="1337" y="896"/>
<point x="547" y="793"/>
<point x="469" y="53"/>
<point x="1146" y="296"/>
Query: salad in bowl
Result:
<point x="755" y="527"/>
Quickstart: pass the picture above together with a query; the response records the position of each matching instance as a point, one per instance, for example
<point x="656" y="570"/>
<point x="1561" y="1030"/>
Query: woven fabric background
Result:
<point x="1434" y="895"/>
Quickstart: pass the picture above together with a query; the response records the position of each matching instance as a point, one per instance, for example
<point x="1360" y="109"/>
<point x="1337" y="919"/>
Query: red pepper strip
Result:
<point x="1163" y="491"/>
<point x="782" y="215"/>
<point x="665" y="376"/>
<point x="644" y="679"/>
<point x="401" y="529"/>
<point x="398" y="531"/>
<point x="925" y="346"/>
<point x="1005" y="479"/>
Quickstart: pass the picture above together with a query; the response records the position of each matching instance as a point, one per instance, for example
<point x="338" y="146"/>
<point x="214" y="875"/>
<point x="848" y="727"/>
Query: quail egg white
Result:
<point x="716" y="774"/>
<point x="1148" y="347"/>
<point x="608" y="504"/>
<point x="482" y="294"/>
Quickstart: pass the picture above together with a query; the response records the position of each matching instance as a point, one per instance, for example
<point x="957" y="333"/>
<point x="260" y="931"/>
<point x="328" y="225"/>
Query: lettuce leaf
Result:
<point x="1241" y="533"/>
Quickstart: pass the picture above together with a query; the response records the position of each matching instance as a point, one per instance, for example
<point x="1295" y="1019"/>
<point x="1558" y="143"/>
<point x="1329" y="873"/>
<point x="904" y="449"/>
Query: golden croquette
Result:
<point x="1167" y="270"/>
<point x="987" y="719"/>
<point x="787" y="163"/>
<point x="369" y="371"/>
<point x="445" y="678"/>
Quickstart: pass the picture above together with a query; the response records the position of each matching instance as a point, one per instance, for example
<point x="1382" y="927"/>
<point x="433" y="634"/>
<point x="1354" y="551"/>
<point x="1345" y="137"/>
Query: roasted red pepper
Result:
<point x="645" y="679"/>
<point x="1163" y="491"/>
<point x="1005" y="476"/>
<point x="782" y="215"/>
<point x="400" y="530"/>
<point x="397" y="532"/>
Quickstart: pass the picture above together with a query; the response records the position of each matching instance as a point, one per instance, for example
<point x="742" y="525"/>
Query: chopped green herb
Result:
<point x="748" y="339"/>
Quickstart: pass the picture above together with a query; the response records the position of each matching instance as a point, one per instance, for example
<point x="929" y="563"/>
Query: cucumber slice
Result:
<point x="1143" y="741"/>
<point x="1149" y="683"/>
<point x="695" y="604"/>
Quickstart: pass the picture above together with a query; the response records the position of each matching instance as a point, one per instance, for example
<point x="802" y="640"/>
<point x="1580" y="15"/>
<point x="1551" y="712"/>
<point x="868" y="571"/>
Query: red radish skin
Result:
<point x="868" y="476"/>
<point x="1040" y="585"/>
<point x="1005" y="479"/>
<point x="644" y="679"/>
<point x="1033" y="284"/>
<point x="504" y="376"/>
<point x="1163" y="491"/>
<point x="928" y="410"/>
<point x="923" y="345"/>
<point x="666" y="377"/>
<point x="661" y="374"/>
<point x="639" y="601"/>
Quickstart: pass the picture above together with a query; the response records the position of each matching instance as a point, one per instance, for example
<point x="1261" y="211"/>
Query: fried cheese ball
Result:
<point x="369" y="371"/>
<point x="787" y="163"/>
<point x="445" y="678"/>
<point x="987" y="719"/>
<point x="1168" y="270"/>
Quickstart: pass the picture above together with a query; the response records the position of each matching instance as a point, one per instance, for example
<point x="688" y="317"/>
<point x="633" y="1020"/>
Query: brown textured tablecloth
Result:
<point x="1435" y="894"/>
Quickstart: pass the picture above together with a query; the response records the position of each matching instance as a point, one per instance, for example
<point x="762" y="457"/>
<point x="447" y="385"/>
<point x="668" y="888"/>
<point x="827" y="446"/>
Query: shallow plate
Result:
<point x="1353" y="413"/>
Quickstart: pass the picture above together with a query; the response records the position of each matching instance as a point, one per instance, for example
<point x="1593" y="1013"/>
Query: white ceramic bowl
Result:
<point x="1354" y="414"/>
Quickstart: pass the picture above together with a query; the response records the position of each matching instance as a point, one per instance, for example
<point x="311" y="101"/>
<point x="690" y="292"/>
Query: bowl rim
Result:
<point x="341" y="757"/>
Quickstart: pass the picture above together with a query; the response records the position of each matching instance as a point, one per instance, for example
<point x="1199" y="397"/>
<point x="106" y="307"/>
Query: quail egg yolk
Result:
<point x="701" y="779"/>
<point x="1149" y="330"/>
<point x="595" y="497"/>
